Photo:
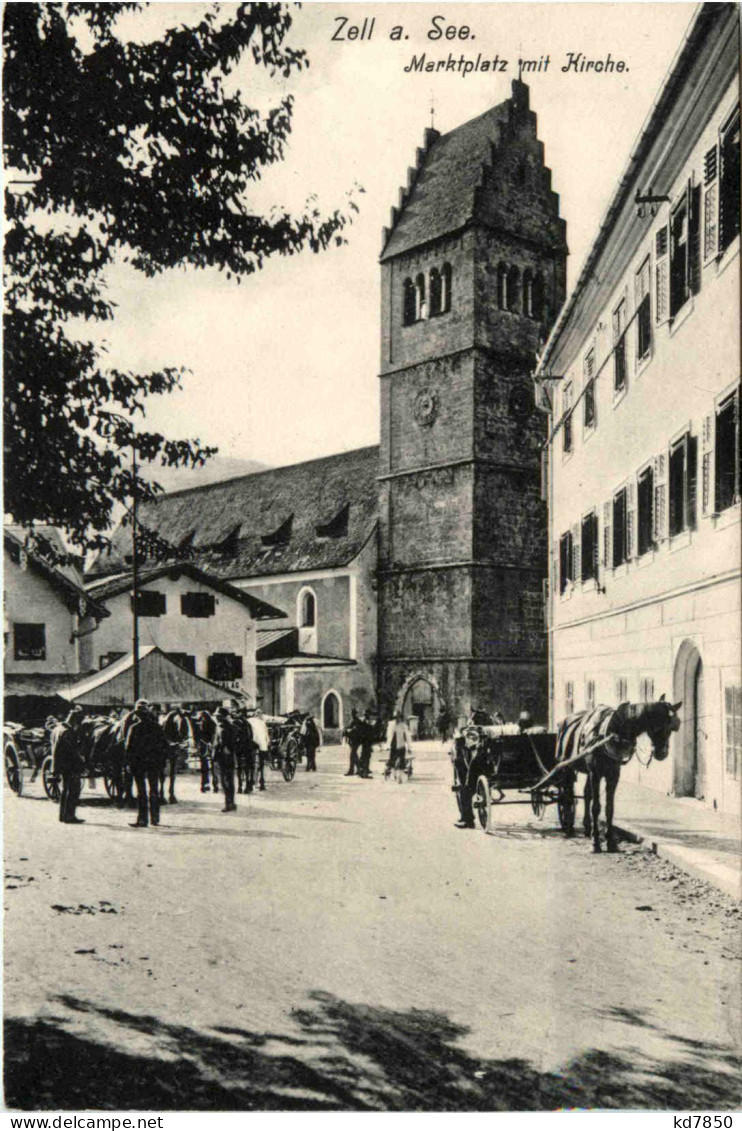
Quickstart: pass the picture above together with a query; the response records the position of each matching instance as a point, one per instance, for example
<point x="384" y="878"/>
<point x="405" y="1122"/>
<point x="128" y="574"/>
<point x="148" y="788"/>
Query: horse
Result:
<point x="612" y="734"/>
<point x="246" y="750"/>
<point x="103" y="740"/>
<point x="180" y="735"/>
<point x="205" y="732"/>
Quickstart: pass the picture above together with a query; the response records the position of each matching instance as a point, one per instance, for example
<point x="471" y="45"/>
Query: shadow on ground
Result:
<point x="340" y="1056"/>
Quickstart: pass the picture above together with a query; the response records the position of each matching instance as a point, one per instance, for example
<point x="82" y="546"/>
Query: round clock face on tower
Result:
<point x="426" y="406"/>
<point x="521" y="402"/>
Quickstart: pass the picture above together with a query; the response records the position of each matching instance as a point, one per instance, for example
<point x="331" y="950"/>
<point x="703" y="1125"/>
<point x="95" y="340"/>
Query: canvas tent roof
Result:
<point x="160" y="681"/>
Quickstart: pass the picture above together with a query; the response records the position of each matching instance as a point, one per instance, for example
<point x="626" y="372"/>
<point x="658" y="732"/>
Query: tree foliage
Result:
<point x="116" y="147"/>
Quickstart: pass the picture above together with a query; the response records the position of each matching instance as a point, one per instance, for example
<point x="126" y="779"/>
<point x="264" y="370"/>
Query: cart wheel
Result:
<point x="538" y="804"/>
<point x="290" y="759"/>
<point x="482" y="803"/>
<point x="50" y="779"/>
<point x="113" y="786"/>
<point x="13" y="769"/>
<point x="566" y="811"/>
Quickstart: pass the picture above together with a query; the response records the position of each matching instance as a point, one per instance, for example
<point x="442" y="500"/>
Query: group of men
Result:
<point x="236" y="734"/>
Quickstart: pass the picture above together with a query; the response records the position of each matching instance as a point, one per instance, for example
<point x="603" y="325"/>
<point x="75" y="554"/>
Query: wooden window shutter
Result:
<point x="691" y="481"/>
<point x="660" y="497"/>
<point x="576" y="554"/>
<point x="544" y="473"/>
<point x="662" y="275"/>
<point x="607" y="539"/>
<point x="545" y="601"/>
<point x="631" y="520"/>
<point x="707" y="465"/>
<point x="694" y="238"/>
<point x="710" y="204"/>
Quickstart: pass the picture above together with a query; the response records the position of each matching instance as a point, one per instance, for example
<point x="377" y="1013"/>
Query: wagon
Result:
<point x="26" y="750"/>
<point x="499" y="764"/>
<point x="286" y="745"/>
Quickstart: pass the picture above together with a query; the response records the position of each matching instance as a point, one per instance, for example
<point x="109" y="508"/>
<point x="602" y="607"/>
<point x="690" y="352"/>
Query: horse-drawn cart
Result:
<point x="286" y="744"/>
<point x="26" y="750"/>
<point x="492" y="764"/>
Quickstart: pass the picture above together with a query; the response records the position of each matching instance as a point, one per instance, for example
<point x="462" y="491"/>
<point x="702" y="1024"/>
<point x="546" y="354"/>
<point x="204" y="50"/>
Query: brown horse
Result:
<point x="611" y="733"/>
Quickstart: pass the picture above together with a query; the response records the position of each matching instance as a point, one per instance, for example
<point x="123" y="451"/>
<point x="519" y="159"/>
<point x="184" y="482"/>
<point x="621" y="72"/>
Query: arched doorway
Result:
<point x="423" y="703"/>
<point x="332" y="711"/>
<point x="690" y="743"/>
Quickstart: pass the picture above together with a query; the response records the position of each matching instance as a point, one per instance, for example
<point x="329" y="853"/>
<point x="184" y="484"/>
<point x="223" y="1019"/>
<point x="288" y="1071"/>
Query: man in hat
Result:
<point x="354" y="734"/>
<point x="224" y="753"/>
<point x="145" y="749"/>
<point x="69" y="763"/>
<point x="310" y="734"/>
<point x="368" y="737"/>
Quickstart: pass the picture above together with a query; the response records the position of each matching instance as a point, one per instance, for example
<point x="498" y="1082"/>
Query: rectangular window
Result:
<point x="590" y="694"/>
<point x="733" y="729"/>
<point x="183" y="661"/>
<point x="589" y="539"/>
<point x="729" y="198"/>
<point x="683" y="462"/>
<point x="645" y="505"/>
<point x="29" y="641"/>
<point x="567" y="417"/>
<point x="223" y="667"/>
<point x="622" y="689"/>
<point x="679" y="256"/>
<point x="643" y="311"/>
<point x="727" y="453"/>
<point x="646" y="689"/>
<point x="569" y="698"/>
<point x="588" y="398"/>
<point x="565" y="560"/>
<point x="619" y="528"/>
<point x="619" y="347"/>
<point x="197" y="604"/>
<point x="150" y="603"/>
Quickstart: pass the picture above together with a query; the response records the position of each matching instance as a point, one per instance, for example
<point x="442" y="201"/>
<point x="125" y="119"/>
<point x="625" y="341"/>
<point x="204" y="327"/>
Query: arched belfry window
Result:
<point x="306" y="619"/>
<point x="528" y="292"/>
<point x="446" y="281"/>
<point x="513" y="288"/>
<point x="537" y="304"/>
<point x="421" y="306"/>
<point x="409" y="302"/>
<point x="436" y="292"/>
<point x="502" y="286"/>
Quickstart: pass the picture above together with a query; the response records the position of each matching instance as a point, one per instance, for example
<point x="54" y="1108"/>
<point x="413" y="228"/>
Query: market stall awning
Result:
<point x="160" y="681"/>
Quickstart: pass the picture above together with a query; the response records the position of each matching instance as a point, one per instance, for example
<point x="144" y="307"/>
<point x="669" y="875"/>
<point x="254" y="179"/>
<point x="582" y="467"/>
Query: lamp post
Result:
<point x="135" y="579"/>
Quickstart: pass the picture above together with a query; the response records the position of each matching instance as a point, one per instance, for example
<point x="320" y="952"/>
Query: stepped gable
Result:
<point x="457" y="179"/>
<point x="314" y="515"/>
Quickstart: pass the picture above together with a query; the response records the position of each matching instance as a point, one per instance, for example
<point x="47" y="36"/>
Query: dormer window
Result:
<point x="281" y="536"/>
<point x="337" y="527"/>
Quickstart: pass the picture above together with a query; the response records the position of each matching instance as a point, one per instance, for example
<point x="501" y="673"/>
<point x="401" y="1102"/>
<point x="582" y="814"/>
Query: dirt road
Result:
<point x="338" y="944"/>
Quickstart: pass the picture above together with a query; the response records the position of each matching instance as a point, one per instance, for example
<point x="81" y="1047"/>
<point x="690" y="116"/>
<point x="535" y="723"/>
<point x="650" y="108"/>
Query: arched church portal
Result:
<point x="690" y="777"/>
<point x="422" y="701"/>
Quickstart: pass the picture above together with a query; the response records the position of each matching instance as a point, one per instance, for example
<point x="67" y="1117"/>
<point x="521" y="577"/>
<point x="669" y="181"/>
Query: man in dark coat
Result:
<point x="69" y="763"/>
<point x="224" y="754"/>
<point x="354" y="734"/>
<point x="311" y="742"/>
<point x="368" y="738"/>
<point x="145" y="750"/>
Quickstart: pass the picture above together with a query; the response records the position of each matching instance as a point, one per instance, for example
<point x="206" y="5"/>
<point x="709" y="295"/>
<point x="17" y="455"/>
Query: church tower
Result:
<point x="473" y="275"/>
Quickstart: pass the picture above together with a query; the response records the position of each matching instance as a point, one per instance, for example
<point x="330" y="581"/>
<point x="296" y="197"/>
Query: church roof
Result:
<point x="442" y="198"/>
<point x="314" y="515"/>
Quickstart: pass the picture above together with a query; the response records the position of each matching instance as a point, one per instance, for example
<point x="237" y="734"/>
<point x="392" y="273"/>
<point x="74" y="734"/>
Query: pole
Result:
<point x="135" y="579"/>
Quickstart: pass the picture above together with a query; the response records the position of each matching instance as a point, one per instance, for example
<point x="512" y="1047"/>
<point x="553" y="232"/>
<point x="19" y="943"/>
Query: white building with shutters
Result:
<point x="641" y="379"/>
